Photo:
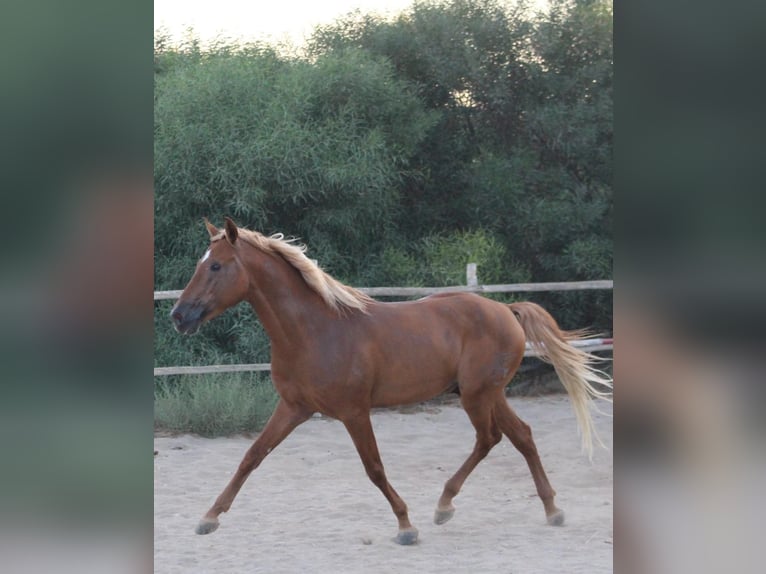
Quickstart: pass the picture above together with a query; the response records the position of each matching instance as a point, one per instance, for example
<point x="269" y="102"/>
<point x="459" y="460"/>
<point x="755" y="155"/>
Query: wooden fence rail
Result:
<point x="418" y="291"/>
<point x="471" y="287"/>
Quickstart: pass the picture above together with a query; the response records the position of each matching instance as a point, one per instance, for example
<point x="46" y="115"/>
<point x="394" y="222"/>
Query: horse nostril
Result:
<point x="177" y="317"/>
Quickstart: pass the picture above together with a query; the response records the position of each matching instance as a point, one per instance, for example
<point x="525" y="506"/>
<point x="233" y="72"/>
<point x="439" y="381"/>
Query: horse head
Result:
<point x="220" y="281"/>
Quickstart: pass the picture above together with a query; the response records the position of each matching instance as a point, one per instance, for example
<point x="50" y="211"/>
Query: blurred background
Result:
<point x="76" y="173"/>
<point x="690" y="279"/>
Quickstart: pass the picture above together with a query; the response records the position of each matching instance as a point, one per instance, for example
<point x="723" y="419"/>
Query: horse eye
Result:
<point x="215" y="267"/>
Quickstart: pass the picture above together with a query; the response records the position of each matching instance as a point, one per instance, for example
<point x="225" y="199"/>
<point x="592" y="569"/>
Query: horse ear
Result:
<point x="231" y="230"/>
<point x="211" y="229"/>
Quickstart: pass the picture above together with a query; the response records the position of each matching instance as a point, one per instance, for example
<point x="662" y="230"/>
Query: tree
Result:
<point x="522" y="145"/>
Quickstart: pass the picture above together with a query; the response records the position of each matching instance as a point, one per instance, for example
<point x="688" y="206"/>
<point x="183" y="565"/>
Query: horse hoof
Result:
<point x="407" y="537"/>
<point x="206" y="526"/>
<point x="442" y="516"/>
<point x="557" y="518"/>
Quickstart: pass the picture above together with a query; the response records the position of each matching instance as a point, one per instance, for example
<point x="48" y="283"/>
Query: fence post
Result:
<point x="470" y="275"/>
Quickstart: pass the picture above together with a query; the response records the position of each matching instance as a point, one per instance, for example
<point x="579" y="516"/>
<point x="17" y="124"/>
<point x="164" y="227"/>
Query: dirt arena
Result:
<point x="310" y="507"/>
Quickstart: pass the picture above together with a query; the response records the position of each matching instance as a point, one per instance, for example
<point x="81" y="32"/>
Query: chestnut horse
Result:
<point x="336" y="351"/>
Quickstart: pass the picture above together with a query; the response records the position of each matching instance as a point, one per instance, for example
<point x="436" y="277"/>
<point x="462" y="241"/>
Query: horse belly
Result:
<point x="413" y="373"/>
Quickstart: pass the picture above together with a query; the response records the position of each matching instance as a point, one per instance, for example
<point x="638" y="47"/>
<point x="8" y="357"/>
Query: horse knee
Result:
<point x="376" y="474"/>
<point x="247" y="465"/>
<point x="484" y="444"/>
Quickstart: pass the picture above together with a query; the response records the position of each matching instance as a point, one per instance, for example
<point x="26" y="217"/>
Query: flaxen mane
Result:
<point x="338" y="296"/>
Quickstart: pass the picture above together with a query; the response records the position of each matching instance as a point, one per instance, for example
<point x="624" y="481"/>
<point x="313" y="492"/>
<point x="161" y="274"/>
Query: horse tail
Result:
<point x="573" y="366"/>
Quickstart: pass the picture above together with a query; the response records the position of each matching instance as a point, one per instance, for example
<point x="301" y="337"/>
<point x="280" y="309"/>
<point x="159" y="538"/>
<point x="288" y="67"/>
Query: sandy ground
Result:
<point x="310" y="508"/>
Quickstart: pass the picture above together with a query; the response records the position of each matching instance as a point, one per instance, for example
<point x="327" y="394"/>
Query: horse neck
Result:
<point x="286" y="306"/>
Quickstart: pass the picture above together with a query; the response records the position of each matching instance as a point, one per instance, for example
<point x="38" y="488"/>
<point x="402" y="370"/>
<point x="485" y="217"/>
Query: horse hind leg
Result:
<point x="488" y="434"/>
<point x="520" y="434"/>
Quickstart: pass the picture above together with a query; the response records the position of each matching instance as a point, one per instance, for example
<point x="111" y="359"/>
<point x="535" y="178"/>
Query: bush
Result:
<point x="214" y="405"/>
<point x="446" y="257"/>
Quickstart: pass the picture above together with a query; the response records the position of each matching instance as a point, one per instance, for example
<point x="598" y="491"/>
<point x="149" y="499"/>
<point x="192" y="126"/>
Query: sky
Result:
<point x="272" y="21"/>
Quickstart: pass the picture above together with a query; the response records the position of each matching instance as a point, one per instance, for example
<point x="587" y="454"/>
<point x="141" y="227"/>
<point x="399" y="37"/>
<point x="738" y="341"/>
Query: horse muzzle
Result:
<point x="187" y="318"/>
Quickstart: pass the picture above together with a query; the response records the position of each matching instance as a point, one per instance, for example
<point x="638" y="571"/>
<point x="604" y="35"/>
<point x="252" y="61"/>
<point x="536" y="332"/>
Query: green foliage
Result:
<point x="440" y="260"/>
<point x="395" y="266"/>
<point x="317" y="149"/>
<point x="590" y="257"/>
<point x="522" y="147"/>
<point x="572" y="124"/>
<point x="214" y="405"/>
<point x="446" y="258"/>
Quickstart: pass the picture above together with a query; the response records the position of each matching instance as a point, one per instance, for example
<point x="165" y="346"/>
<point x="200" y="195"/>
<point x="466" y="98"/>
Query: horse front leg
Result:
<point x="283" y="421"/>
<point x="360" y="429"/>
